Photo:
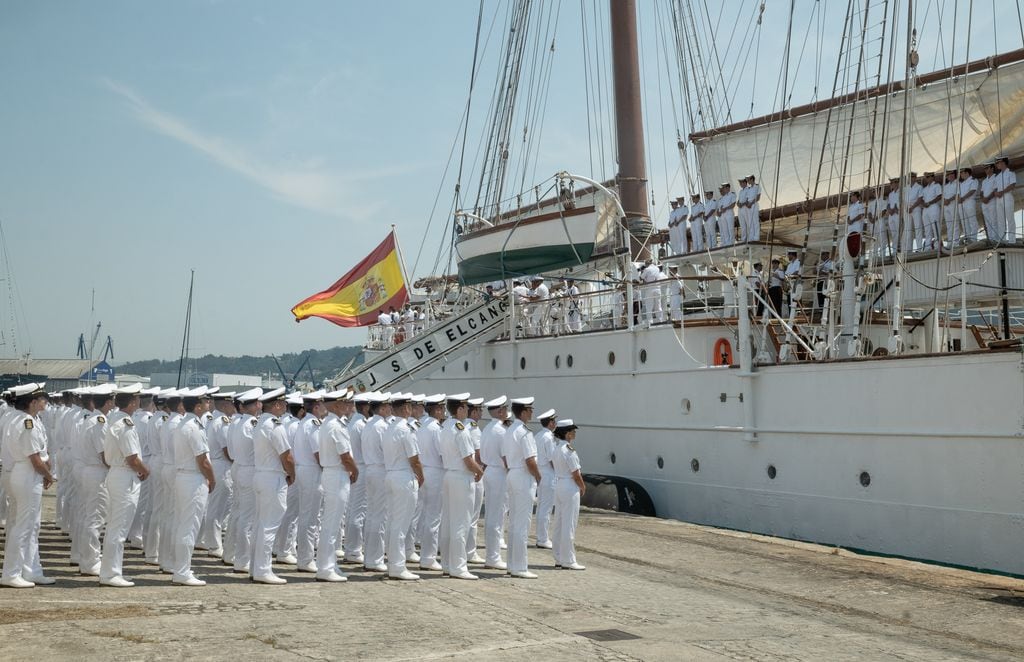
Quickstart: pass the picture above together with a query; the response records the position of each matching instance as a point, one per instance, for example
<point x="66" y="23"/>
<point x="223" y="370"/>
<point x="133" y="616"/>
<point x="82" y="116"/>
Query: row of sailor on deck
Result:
<point x="715" y="222"/>
<point x="309" y="479"/>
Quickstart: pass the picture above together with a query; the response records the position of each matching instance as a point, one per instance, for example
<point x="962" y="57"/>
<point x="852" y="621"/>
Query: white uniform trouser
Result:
<point x="995" y="229"/>
<point x="931" y="225"/>
<point x="520" y="508"/>
<point x="652" y="304"/>
<point x="545" y="502"/>
<point x="710" y="227"/>
<point x="168" y="476"/>
<point x="478" y="504"/>
<point x="727" y="228"/>
<point x="75" y="511"/>
<point x="25" y="493"/>
<point x="271" y="490"/>
<point x="243" y="517"/>
<point x="307" y="522"/>
<point x="400" y="488"/>
<point x="567" y="513"/>
<point x="494" y="515"/>
<point x="211" y="533"/>
<point x="284" y="542"/>
<point x="123" y="492"/>
<point x="156" y="509"/>
<point x="191" y="494"/>
<point x="62" y="460"/>
<point x="429" y="525"/>
<point x="949" y="217"/>
<point x="753" y="223"/>
<point x="140" y="522"/>
<point x="376" y="516"/>
<point x="456" y="510"/>
<point x="1004" y="210"/>
<point x="356" y="517"/>
<point x="94" y="511"/>
<point x="336" y="486"/>
<point x="917" y="219"/>
<point x="969" y="214"/>
<point x="3" y="501"/>
<point x="741" y="217"/>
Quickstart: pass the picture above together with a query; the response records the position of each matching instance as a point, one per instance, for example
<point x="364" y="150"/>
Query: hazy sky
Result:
<point x="267" y="145"/>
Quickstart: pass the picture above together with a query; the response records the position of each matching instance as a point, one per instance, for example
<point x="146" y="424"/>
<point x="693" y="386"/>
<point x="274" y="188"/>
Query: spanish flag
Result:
<point x="374" y="284"/>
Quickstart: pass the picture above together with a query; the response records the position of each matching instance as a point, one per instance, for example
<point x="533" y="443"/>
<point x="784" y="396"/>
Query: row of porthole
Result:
<point x="865" y="477"/>
<point x="558" y="361"/>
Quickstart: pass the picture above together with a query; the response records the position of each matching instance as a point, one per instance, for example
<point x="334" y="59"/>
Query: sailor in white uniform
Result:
<point x="710" y="220"/>
<point x="726" y="215"/>
<point x="472" y="424"/>
<point x="892" y="206"/>
<point x="568" y="490"/>
<point x="403" y="478"/>
<point x="428" y="439"/>
<point x="339" y="473"/>
<point x="546" y="485"/>
<point x="574" y="314"/>
<point x="932" y="206"/>
<point x="356" y="516"/>
<point x="122" y="452"/>
<point x="741" y="209"/>
<point x="141" y="418"/>
<point x="950" y="193"/>
<point x="650" y="277"/>
<point x="376" y="494"/>
<point x="158" y="499"/>
<point x="682" y="226"/>
<point x="519" y="450"/>
<point x="495" y="490"/>
<point x="305" y="449"/>
<point x="461" y="470"/>
<point x="27" y="472"/>
<point x="913" y="234"/>
<point x="673" y="228"/>
<point x="697" y="222"/>
<point x="284" y="542"/>
<point x="243" y="508"/>
<point x="93" y="477"/>
<point x="193" y="483"/>
<point x="968" y="204"/>
<point x="753" y="209"/>
<point x="168" y="476"/>
<point x="211" y="534"/>
<point x="987" y="197"/>
<point x="1005" y="198"/>
<point x="275" y="471"/>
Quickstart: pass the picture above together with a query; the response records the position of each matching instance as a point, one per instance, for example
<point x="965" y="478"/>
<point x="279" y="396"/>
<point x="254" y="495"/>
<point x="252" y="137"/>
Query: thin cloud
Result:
<point x="317" y="190"/>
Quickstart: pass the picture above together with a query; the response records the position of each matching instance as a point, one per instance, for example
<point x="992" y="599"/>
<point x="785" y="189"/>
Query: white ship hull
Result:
<point x="939" y="436"/>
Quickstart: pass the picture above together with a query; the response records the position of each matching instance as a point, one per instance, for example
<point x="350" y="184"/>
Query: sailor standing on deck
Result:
<point x="650" y="277"/>
<point x="461" y="470"/>
<point x="305" y="450"/>
<point x="892" y="206"/>
<point x="753" y="209"/>
<point x="697" y="222"/>
<point x="546" y="485"/>
<point x="932" y="205"/>
<point x="428" y="439"/>
<point x="568" y="490"/>
<point x="356" y="516"/>
<point x="404" y="476"/>
<point x="376" y="494"/>
<point x="519" y="450"/>
<point x="243" y="511"/>
<point x="854" y="225"/>
<point x="28" y="474"/>
<point x="914" y="204"/>
<point x="673" y="227"/>
<point x="339" y="473"/>
<point x="878" y="217"/>
<point x="741" y="209"/>
<point x="994" y="229"/>
<point x="495" y="490"/>
<point x="682" y="222"/>
<point x="726" y="215"/>
<point x="275" y="471"/>
<point x="950" y="192"/>
<point x="121" y="450"/>
<point x="968" y="204"/>
<point x="1005" y="201"/>
<point x="193" y="483"/>
<point x="710" y="220"/>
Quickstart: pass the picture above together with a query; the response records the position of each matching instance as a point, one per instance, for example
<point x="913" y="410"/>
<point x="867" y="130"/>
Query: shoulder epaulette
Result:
<point x="416" y="425"/>
<point x="472" y="424"/>
<point x="254" y="422"/>
<point x="459" y="426"/>
<point x="209" y="416"/>
<point x="569" y="446"/>
<point x="276" y="421"/>
<point x="129" y="422"/>
<point x="316" y="421"/>
<point x="165" y="417"/>
<point x="100" y="419"/>
<point x="28" y="423"/>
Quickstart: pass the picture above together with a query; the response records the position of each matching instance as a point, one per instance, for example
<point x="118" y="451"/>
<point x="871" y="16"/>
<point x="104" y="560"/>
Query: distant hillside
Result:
<point x="324" y="362"/>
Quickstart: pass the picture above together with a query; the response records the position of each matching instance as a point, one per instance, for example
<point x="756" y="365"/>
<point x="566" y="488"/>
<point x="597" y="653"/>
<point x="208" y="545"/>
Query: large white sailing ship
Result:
<point x="885" y="415"/>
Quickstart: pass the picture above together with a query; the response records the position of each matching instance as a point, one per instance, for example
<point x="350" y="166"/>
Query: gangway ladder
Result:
<point x="436" y="346"/>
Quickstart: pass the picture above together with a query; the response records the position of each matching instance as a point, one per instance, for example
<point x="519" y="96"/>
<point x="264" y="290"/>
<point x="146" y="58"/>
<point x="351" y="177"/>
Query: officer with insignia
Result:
<point x="376" y="497"/>
<point x="193" y="482"/>
<point x="157" y="497"/>
<point x="169" y="477"/>
<point x="243" y="472"/>
<point x="93" y="493"/>
<point x="305" y="449"/>
<point x="28" y="474"/>
<point x="568" y="490"/>
<point x="404" y="477"/>
<point x="121" y="451"/>
<point x="141" y="417"/>
<point x="461" y="470"/>
<point x="519" y="450"/>
<point x="211" y="535"/>
<point x="428" y="439"/>
<point x="495" y="472"/>
<point x="275" y="471"/>
<point x="356" y="516"/>
<point x="546" y="485"/>
<point x="339" y="473"/>
<point x="472" y="423"/>
<point x="284" y="543"/>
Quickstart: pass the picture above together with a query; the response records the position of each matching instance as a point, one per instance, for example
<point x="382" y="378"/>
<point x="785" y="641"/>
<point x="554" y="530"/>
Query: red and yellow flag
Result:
<point x="375" y="284"/>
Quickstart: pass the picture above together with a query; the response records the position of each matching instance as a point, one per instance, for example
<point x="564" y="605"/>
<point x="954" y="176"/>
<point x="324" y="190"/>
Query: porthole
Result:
<point x="568" y="361"/>
<point x="522" y="363"/>
<point x="494" y="364"/>
<point x="771" y="471"/>
<point x="685" y="404"/>
<point x="558" y="361"/>
<point x="612" y="458"/>
<point x="865" y="478"/>
<point x="643" y="356"/>
<point x="694" y="465"/>
<point x="661" y="462"/>
<point x="611" y="358"/>
<point x="465" y="366"/>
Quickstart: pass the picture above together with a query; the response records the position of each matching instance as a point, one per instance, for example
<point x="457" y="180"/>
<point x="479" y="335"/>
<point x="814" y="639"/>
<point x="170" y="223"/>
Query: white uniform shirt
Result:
<point x="92" y="440"/>
<point x="540" y="292"/>
<point x="490" y="443"/>
<point x="428" y="438"/>
<point x="23" y="436"/>
<point x="853" y="211"/>
<point x="914" y="194"/>
<point x="1007" y="178"/>
<point x="120" y="440"/>
<point x="989" y="186"/>
<point x="306" y="442"/>
<point x="545" y="448"/>
<point x="969" y="185"/>
<point x="455" y="445"/>
<point x="240" y="447"/>
<point x="141" y="418"/>
<point x="371" y="438"/>
<point x="398" y="446"/>
<point x="933" y="192"/>
<point x="189" y="442"/>
<point x="565" y="460"/>
<point x="949" y="191"/>
<point x="518" y="445"/>
<point x="334" y="441"/>
<point x="217" y="435"/>
<point x="167" y="436"/>
<point x="726" y="203"/>
<point x="355" y="432"/>
<point x="268" y="443"/>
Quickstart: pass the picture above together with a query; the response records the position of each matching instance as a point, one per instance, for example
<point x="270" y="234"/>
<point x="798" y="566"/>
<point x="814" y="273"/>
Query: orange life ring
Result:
<point x="722" y="352"/>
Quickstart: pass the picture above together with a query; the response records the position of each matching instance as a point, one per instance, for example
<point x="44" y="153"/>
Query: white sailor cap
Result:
<point x="548" y="414"/>
<point x="152" y="391"/>
<point x="314" y="396"/>
<point x="418" y="398"/>
<point x="103" y="389"/>
<point x="566" y="424"/>
<point x="224" y="395"/>
<point x="22" y="390"/>
<point x="251" y="395"/>
<point x="475" y="402"/>
<point x="275" y="394"/>
<point x="210" y="390"/>
<point x="534" y="279"/>
<point x="361" y="397"/>
<point x="458" y="397"/>
<point x="526" y="401"/>
<point x="294" y="399"/>
<point x="333" y="396"/>
<point x="133" y="389"/>
<point x="434" y="399"/>
<point x="400" y="398"/>
<point x="499" y="401"/>
<point x="197" y="392"/>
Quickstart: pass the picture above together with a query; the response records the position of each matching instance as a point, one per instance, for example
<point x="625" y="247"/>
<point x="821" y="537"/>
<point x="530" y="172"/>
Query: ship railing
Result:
<point x="382" y="337"/>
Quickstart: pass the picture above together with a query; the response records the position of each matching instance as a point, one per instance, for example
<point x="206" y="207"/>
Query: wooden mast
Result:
<point x="632" y="176"/>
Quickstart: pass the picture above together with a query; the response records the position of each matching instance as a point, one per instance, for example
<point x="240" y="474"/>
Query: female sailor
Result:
<point x="569" y="487"/>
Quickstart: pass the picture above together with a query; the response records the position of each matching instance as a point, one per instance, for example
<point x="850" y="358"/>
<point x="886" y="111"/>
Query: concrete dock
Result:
<point x="653" y="590"/>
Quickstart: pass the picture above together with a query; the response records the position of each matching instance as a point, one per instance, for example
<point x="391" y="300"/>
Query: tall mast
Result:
<point x="632" y="177"/>
<point x="188" y="330"/>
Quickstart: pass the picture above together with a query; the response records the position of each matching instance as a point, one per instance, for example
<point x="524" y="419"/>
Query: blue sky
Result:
<point x="267" y="145"/>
